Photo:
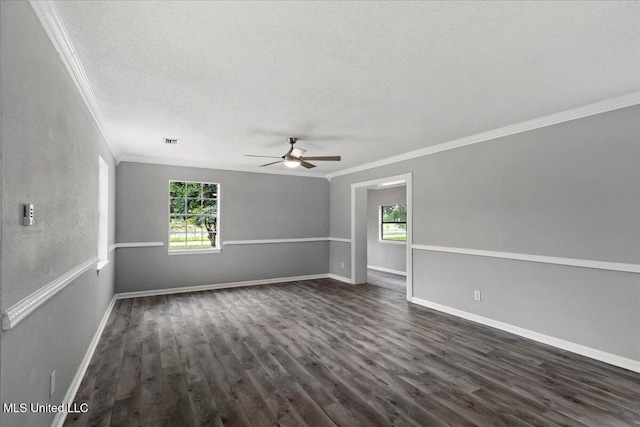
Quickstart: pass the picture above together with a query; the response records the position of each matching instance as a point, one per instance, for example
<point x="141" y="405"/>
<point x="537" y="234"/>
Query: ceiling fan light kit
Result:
<point x="294" y="158"/>
<point x="291" y="162"/>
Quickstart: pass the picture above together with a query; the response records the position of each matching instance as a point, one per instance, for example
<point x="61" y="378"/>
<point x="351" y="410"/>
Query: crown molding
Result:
<point x="48" y="15"/>
<point x="612" y="104"/>
<point x="205" y="165"/>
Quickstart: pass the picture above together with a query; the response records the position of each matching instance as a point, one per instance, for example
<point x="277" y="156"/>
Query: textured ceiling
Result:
<point x="365" y="80"/>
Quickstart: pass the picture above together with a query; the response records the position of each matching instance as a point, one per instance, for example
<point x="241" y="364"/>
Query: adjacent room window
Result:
<point x="103" y="212"/>
<point x="393" y="223"/>
<point x="193" y="215"/>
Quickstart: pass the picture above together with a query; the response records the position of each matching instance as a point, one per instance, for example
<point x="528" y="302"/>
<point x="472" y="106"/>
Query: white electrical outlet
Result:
<point x="53" y="383"/>
<point x="342" y="265"/>
<point x="476" y="295"/>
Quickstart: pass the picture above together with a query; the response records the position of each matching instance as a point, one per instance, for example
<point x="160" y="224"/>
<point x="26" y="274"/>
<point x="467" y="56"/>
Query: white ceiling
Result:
<point x="364" y="80"/>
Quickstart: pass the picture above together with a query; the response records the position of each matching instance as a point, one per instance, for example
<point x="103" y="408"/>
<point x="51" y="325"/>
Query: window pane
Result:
<point x="209" y="191"/>
<point x="194" y="237"/>
<point x="177" y="232"/>
<point x="396" y="232"/>
<point x="394" y="213"/>
<point x="210" y="223"/>
<point x="176" y="189"/>
<point x="177" y="206"/>
<point x="194" y="206"/>
<point x="194" y="189"/>
<point x="209" y="206"/>
<point x="210" y="231"/>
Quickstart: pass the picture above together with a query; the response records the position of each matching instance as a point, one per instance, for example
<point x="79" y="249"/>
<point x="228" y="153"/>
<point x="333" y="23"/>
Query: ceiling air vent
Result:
<point x="171" y="141"/>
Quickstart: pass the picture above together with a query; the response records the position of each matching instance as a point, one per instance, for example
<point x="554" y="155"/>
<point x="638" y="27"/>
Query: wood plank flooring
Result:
<point x="382" y="279"/>
<point x="322" y="353"/>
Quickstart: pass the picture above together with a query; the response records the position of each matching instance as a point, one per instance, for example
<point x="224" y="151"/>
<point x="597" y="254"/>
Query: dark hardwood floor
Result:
<point x="323" y="353"/>
<point x="382" y="279"/>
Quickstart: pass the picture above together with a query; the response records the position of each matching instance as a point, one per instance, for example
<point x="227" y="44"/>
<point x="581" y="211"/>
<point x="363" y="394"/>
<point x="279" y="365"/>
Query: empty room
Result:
<point x="320" y="213"/>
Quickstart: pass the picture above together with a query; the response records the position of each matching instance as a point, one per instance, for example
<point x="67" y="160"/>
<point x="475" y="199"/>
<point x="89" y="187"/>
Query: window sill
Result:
<point x="193" y="251"/>
<point x="392" y="242"/>
<point x="102" y="264"/>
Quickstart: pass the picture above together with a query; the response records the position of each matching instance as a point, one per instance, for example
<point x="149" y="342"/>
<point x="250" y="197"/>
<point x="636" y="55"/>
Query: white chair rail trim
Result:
<point x="574" y="262"/>
<point x="139" y="245"/>
<point x="339" y="239"/>
<point x="268" y="241"/>
<point x="16" y="313"/>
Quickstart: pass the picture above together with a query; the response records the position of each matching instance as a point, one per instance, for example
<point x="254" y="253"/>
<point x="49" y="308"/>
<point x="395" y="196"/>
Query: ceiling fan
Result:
<point x="294" y="158"/>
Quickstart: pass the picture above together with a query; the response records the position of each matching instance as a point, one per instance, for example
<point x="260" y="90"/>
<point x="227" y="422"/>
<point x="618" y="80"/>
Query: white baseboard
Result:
<point x="217" y="286"/>
<point x="387" y="270"/>
<point x="58" y="421"/>
<point x="340" y="278"/>
<point x="612" y="359"/>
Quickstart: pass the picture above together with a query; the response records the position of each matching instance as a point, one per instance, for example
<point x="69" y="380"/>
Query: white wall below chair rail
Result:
<point x="16" y="313"/>
<point x="612" y="359"/>
<point x="601" y="265"/>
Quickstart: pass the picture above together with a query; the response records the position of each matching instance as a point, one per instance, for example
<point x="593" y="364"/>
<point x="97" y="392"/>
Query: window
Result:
<point x="393" y="223"/>
<point x="103" y="213"/>
<point x="193" y="216"/>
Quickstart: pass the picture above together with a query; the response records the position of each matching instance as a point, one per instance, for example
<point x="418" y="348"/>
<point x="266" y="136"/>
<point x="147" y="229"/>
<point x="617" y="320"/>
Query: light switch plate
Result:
<point x="28" y="215"/>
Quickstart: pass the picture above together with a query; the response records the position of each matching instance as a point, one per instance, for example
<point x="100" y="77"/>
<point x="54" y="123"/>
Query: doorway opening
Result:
<point x="381" y="228"/>
<point x="387" y="237"/>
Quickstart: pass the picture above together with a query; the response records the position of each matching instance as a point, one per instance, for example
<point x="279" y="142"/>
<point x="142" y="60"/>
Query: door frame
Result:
<point x="358" y="213"/>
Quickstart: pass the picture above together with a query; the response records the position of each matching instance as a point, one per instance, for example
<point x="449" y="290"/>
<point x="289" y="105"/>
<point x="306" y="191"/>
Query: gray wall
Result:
<point x="252" y="207"/>
<point x="50" y="147"/>
<point x="569" y="190"/>
<point x="389" y="255"/>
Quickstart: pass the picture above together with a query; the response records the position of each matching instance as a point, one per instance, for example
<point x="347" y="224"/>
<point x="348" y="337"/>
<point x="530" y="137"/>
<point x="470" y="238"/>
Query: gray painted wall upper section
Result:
<point x="384" y="254"/>
<point x="252" y="207"/>
<point x="50" y="148"/>
<point x="569" y="190"/>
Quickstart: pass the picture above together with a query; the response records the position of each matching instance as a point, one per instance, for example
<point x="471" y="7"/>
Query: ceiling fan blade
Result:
<point x="272" y="163"/>
<point x="325" y="158"/>
<point x="297" y="152"/>
<point x="255" y="155"/>
<point x="306" y="164"/>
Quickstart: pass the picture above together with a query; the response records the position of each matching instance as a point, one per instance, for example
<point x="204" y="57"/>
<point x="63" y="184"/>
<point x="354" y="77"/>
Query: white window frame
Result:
<point x="198" y="251"/>
<point x="103" y="213"/>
